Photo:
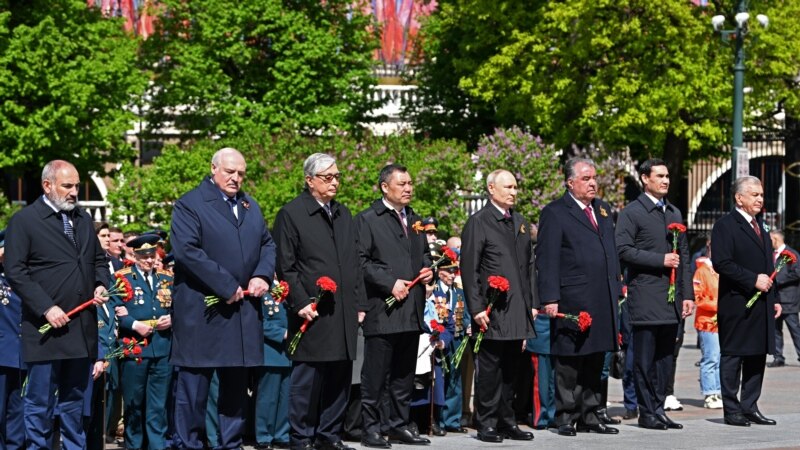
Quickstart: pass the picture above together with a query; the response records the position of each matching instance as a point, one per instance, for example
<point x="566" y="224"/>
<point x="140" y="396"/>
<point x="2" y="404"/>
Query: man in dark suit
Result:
<point x="222" y="248"/>
<point x="743" y="258"/>
<point x="788" y="283"/>
<point x="645" y="248"/>
<point x="496" y="242"/>
<point x="578" y="270"/>
<point x="12" y="369"/>
<point x="316" y="237"/>
<point x="393" y="251"/>
<point x="54" y="262"/>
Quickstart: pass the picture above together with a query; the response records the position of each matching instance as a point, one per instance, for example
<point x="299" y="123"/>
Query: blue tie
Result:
<point x="660" y="205"/>
<point x="68" y="230"/>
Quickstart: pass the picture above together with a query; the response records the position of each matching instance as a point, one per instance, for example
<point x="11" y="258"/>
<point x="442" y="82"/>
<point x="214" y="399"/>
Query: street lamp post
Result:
<point x="740" y="165"/>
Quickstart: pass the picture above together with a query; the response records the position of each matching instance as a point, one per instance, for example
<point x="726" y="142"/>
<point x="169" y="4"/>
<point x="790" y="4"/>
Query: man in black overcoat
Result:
<point x="222" y="248"/>
<point x="645" y="248"/>
<point x="393" y="251"/>
<point x="316" y="237"/>
<point x="742" y="254"/>
<point x="496" y="242"/>
<point x="54" y="262"/>
<point x="578" y="270"/>
<point x="788" y="285"/>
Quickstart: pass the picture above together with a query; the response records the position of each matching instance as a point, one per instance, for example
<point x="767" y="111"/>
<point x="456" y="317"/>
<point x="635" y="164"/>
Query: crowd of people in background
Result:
<point x="335" y="327"/>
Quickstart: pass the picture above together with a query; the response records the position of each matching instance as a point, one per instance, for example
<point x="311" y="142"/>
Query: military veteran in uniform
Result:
<point x="54" y="262"/>
<point x="12" y="369"/>
<point x="222" y="249"/>
<point x="145" y="385"/>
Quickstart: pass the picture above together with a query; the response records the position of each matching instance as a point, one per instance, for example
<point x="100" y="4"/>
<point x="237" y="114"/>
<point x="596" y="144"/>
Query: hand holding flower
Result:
<point x="55" y="317"/>
<point x="100" y="295"/>
<point x="257" y="287"/>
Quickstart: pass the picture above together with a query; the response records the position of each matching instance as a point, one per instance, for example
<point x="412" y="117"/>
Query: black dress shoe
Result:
<point x="776" y="364"/>
<point x="489" y="435"/>
<point x="279" y="444"/>
<point x="333" y="446"/>
<point x="602" y="415"/>
<point x="758" y="418"/>
<point x="630" y="414"/>
<point x="668" y="422"/>
<point x="599" y="428"/>
<point x="737" y="420"/>
<point x="264" y="447"/>
<point x="515" y="434"/>
<point x="405" y="436"/>
<point x="651" y="423"/>
<point x="436" y="430"/>
<point x="455" y="429"/>
<point x="566" y="430"/>
<point x="374" y="440"/>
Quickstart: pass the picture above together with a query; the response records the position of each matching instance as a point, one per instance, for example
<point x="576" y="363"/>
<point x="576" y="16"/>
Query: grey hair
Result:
<point x="52" y="167"/>
<point x="316" y="163"/>
<point x="569" y="166"/>
<point x="490" y="179"/>
<point x="741" y="182"/>
<point x="215" y="160"/>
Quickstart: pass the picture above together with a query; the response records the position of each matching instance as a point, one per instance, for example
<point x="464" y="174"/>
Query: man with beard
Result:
<point x="54" y="262"/>
<point x="392" y="253"/>
<point x="496" y="243"/>
<point x="316" y="237"/>
<point x="222" y="248"/>
<point x="742" y="254"/>
<point x="578" y="270"/>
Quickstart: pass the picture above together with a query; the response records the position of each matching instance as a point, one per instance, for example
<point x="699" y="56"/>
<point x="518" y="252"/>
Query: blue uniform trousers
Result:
<point x="68" y="378"/>
<point x="272" y="404"/>
<point x="544" y="391"/>
<point x="12" y="426"/>
<point x="191" y="397"/>
<point x="145" y="388"/>
<point x="451" y="412"/>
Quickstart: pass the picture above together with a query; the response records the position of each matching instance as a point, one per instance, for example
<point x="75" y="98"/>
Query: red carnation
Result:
<point x="137" y="350"/>
<point x="679" y="227"/>
<point x="126" y="341"/>
<point x="584" y="321"/>
<point x="326" y="284"/>
<point x="450" y="254"/>
<point x="144" y="342"/>
<point x="499" y="283"/>
<point x="126" y="352"/>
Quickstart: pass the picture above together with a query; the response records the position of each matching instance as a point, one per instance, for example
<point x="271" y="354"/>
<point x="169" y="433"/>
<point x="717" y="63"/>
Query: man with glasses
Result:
<point x="145" y="384"/>
<point x="316" y="237"/>
<point x="222" y="249"/>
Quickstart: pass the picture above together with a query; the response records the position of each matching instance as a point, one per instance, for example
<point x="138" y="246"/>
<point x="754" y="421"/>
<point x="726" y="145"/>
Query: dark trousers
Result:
<point x="352" y="418"/>
<point x="744" y="371"/>
<point x="318" y="401"/>
<point x="272" y="404"/>
<point x="653" y="347"/>
<point x="577" y="388"/>
<point x="793" y="324"/>
<point x="496" y="366"/>
<point x="191" y="398"/>
<point x="12" y="426"/>
<point x="678" y="343"/>
<point x="68" y="377"/>
<point x="393" y="356"/>
<point x="145" y="388"/>
<point x="113" y="398"/>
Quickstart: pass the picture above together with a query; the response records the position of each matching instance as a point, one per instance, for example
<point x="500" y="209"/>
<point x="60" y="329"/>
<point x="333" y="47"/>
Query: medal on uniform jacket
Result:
<point x="138" y="296"/>
<point x="4" y="293"/>
<point x="164" y="294"/>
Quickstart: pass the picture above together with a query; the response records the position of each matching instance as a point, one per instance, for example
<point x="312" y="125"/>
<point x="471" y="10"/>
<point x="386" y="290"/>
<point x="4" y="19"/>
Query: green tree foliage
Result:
<point x="229" y="65"/>
<point x="6" y="210"/>
<point x="66" y="76"/>
<point x="275" y="174"/>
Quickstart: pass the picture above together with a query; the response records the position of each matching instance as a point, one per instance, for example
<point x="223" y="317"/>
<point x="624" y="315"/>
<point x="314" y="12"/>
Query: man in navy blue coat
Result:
<point x="742" y="254"/>
<point x="12" y="428"/>
<point x="222" y="247"/>
<point x="578" y="270"/>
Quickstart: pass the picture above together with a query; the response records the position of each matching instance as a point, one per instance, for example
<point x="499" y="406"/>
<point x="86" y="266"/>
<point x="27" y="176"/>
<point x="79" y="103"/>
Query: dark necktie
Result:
<point x="327" y="208"/>
<point x="68" y="230"/>
<point x="147" y="281"/>
<point x="588" y="211"/>
<point x="232" y="203"/>
<point x="402" y="215"/>
<point x="756" y="228"/>
<point x="660" y="205"/>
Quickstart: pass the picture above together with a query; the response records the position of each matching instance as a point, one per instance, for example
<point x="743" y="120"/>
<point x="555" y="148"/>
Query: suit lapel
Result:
<point x="748" y="229"/>
<point x="53" y="220"/>
<point x="578" y="214"/>
<point x="213" y="196"/>
<point x="241" y="200"/>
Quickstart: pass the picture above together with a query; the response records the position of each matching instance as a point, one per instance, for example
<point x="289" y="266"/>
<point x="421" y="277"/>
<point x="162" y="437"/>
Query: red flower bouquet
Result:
<point x="279" y="291"/>
<point x="131" y="348"/>
<point x="583" y="319"/>
<point x="676" y="229"/>
<point x="324" y="284"/>
<point x="212" y="300"/>
<point x="497" y="285"/>
<point x="785" y="257"/>
<point x="122" y="288"/>
<point x="447" y="254"/>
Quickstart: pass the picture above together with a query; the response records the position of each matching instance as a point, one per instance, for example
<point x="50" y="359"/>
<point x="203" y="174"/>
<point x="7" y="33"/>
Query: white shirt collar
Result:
<point x="655" y="200"/>
<point x="746" y="216"/>
<point x="392" y="207"/>
<point x="581" y="205"/>
<point x="780" y="249"/>
<point x="50" y="204"/>
<point x="502" y="211"/>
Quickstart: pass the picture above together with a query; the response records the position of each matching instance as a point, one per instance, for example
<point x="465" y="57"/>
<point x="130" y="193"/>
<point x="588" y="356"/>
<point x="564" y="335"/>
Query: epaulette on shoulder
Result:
<point x="124" y="271"/>
<point x="164" y="272"/>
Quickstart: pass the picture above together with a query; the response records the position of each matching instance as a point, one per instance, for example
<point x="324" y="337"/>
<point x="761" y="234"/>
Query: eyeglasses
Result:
<point x="329" y="177"/>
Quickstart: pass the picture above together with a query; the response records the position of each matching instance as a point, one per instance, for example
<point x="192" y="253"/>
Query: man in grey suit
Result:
<point x="788" y="283"/>
<point x="645" y="247"/>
